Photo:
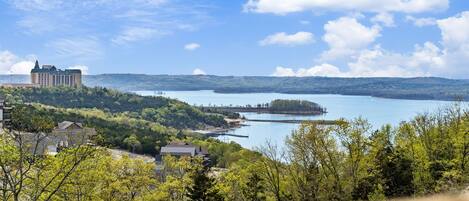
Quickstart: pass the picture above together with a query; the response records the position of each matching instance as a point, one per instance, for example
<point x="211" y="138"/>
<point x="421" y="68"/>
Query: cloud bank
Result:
<point x="364" y="58"/>
<point x="12" y="64"/>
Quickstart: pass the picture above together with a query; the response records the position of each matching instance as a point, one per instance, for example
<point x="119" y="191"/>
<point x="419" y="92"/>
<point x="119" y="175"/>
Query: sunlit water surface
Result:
<point x="378" y="111"/>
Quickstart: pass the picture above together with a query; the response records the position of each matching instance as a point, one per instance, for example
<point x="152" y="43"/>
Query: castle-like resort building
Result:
<point x="50" y="76"/>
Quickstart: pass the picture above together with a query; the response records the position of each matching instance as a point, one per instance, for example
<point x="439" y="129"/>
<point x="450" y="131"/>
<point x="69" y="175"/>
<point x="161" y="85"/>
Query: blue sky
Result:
<point x="345" y="38"/>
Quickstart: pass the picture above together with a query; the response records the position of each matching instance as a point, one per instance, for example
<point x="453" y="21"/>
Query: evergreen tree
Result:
<point x="202" y="188"/>
<point x="254" y="190"/>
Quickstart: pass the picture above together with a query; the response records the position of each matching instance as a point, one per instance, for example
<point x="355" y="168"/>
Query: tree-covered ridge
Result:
<point x="86" y="97"/>
<point x="167" y="112"/>
<point x="419" y="88"/>
<point x="280" y="105"/>
<point x="122" y="120"/>
<point x="425" y="88"/>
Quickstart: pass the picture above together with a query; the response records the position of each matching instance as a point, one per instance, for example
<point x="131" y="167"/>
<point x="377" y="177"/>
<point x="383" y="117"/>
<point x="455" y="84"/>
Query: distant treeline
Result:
<point x="421" y="88"/>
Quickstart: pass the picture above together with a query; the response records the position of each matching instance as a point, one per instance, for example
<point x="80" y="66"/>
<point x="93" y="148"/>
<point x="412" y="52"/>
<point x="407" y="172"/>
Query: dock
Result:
<point x="294" y="121"/>
<point x="225" y="134"/>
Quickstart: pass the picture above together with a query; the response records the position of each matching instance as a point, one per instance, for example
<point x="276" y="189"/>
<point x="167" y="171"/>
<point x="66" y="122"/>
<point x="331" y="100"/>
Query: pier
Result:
<point x="225" y="134"/>
<point x="294" y="121"/>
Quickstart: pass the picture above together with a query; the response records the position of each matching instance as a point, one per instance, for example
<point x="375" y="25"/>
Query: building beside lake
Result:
<point x="183" y="149"/>
<point x="50" y="76"/>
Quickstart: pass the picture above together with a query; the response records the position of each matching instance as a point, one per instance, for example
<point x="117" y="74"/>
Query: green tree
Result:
<point x="353" y="136"/>
<point x="272" y="169"/>
<point x="254" y="190"/>
<point x="203" y="186"/>
<point x="133" y="142"/>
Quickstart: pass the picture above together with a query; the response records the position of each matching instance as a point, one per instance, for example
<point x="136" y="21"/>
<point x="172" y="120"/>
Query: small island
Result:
<point x="278" y="106"/>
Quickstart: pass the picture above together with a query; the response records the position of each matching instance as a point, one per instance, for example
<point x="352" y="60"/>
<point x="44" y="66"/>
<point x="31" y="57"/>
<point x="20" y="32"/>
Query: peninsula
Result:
<point x="278" y="106"/>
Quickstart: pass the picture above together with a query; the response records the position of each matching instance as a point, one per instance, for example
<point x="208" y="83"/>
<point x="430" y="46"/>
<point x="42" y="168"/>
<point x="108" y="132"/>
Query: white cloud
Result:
<point x="421" y="22"/>
<point x="12" y="64"/>
<point x="282" y="7"/>
<point x="455" y="39"/>
<point x="375" y="62"/>
<point x="345" y="36"/>
<point x="84" y="69"/>
<point x="455" y="31"/>
<point x="447" y="58"/>
<point x="77" y="48"/>
<point x="22" y="67"/>
<point x="428" y="55"/>
<point x="305" y="22"/>
<point x="282" y="38"/>
<point x="191" y="46"/>
<point x="284" y="72"/>
<point x="426" y="59"/>
<point x="133" y="34"/>
<point x="198" y="71"/>
<point x="386" y="19"/>
<point x="318" y="70"/>
<point x="378" y="62"/>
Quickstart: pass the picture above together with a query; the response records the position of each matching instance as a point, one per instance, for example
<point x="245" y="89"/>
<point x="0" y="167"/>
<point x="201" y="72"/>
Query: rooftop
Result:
<point x="183" y="148"/>
<point x="47" y="68"/>
<point x="67" y="124"/>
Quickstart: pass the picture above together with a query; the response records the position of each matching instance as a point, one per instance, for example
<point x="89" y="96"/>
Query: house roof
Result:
<point x="52" y="69"/>
<point x="180" y="144"/>
<point x="178" y="148"/>
<point x="67" y="124"/>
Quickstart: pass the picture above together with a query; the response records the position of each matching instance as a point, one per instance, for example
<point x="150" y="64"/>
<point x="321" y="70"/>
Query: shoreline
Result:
<point x="238" y="123"/>
<point x="302" y="93"/>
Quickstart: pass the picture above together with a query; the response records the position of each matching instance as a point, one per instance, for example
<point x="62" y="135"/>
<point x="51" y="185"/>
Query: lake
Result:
<point x="378" y="111"/>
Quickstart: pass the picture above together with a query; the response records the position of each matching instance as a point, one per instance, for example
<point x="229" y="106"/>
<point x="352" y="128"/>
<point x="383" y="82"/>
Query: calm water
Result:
<point x="378" y="111"/>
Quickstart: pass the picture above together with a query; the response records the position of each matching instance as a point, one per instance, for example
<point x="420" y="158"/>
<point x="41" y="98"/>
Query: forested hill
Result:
<point x="152" y="121"/>
<point x="168" y="112"/>
<point x="429" y="88"/>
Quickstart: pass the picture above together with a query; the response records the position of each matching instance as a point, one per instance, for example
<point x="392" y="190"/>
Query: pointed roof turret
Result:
<point x="36" y="66"/>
